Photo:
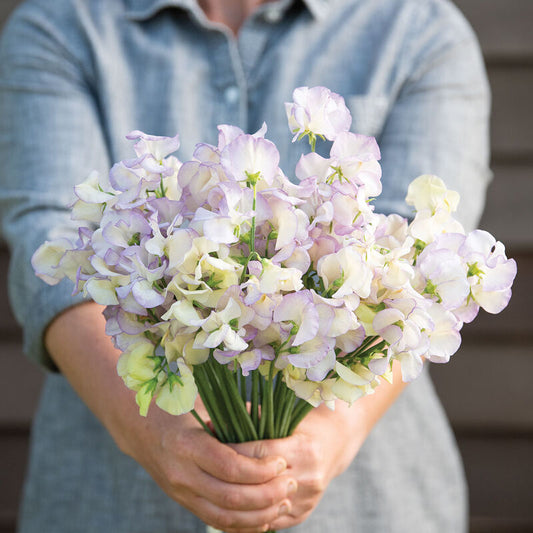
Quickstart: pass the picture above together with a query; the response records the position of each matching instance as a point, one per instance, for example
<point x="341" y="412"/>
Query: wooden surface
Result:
<point x="487" y="389"/>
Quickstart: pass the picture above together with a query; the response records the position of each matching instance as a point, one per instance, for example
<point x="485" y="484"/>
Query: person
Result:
<point x="75" y="77"/>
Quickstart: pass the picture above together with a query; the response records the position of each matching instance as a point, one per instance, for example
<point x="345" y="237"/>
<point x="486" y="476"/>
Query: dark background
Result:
<point x="487" y="389"/>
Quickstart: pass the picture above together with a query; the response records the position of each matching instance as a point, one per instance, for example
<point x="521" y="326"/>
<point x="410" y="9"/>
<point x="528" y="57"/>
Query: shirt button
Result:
<point x="231" y="95"/>
<point x="273" y="15"/>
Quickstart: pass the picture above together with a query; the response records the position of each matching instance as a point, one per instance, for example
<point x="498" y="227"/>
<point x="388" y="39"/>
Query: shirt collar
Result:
<point x="146" y="9"/>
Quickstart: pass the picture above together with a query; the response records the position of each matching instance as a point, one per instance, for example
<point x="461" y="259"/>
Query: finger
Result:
<point x="224" y="463"/>
<point x="290" y="448"/>
<point x="238" y="520"/>
<point x="288" y="521"/>
<point x="247" y="497"/>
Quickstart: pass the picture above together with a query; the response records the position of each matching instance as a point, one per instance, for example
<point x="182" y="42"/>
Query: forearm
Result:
<point x="367" y="411"/>
<point x="85" y="355"/>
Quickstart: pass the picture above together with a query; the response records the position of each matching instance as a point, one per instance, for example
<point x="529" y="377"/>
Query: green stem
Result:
<point x="287" y="413"/>
<point x="262" y="420"/>
<point x="218" y="381"/>
<point x="366" y="343"/>
<point x="301" y="410"/>
<point x="245" y="422"/>
<point x="244" y="392"/>
<point x="202" y="423"/>
<point x="312" y="141"/>
<point x="218" y="401"/>
<point x="371" y="350"/>
<point x="255" y="399"/>
<point x="264" y="409"/>
<point x="251" y="245"/>
<point x="212" y="407"/>
<point x="279" y="401"/>
<point x="270" y="402"/>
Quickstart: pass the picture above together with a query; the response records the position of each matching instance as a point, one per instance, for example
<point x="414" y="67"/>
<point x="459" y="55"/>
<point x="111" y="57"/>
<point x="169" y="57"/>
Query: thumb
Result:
<point x="260" y="449"/>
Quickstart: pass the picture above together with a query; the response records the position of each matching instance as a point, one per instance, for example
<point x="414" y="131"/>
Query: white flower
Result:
<point x="444" y="271"/>
<point x="346" y="273"/>
<point x="490" y="273"/>
<point x="353" y="382"/>
<point x="274" y="279"/>
<point x="179" y="392"/>
<point x="430" y="192"/>
<point x="319" y="111"/>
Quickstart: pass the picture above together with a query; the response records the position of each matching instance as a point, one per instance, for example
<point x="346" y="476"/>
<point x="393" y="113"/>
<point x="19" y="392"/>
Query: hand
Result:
<point x="227" y="490"/>
<point x="321" y="448"/>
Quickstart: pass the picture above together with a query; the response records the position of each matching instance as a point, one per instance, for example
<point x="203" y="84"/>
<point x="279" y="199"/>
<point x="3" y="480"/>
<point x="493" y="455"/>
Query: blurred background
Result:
<point x="487" y="391"/>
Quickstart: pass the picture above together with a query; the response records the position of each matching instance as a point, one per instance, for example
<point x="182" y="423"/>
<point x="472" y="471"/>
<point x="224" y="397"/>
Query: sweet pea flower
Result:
<point x="274" y="279"/>
<point x="136" y="365"/>
<point x="60" y="258"/>
<point x="444" y="273"/>
<point x="248" y="158"/>
<point x="354" y="159"/>
<point x="206" y="281"/>
<point x="145" y="271"/>
<point x="346" y="275"/>
<point x="335" y="318"/>
<point x="444" y="336"/>
<point x="228" y="133"/>
<point x="353" y="382"/>
<point x="429" y="192"/>
<point x="119" y="229"/>
<point x="315" y="166"/>
<point x="434" y="205"/>
<point x="311" y="353"/>
<point x="102" y="291"/>
<point x="411" y="364"/>
<point x="232" y="208"/>
<point x="317" y="111"/>
<point x="184" y="313"/>
<point x="223" y="328"/>
<point x="178" y="394"/>
<point x="289" y="223"/>
<point x="180" y="246"/>
<point x="180" y="345"/>
<point x="197" y="180"/>
<point x="401" y="324"/>
<point x="490" y="273"/>
<point x="248" y="360"/>
<point x="94" y="194"/>
<point x="313" y="392"/>
<point x="298" y="310"/>
<point x="426" y="225"/>
<point x="157" y="146"/>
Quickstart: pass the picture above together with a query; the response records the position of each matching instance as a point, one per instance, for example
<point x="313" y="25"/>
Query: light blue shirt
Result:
<point x="77" y="75"/>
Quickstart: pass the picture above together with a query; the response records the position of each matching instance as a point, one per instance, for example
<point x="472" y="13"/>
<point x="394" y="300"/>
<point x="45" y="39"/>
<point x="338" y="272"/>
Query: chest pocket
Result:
<point x="368" y="113"/>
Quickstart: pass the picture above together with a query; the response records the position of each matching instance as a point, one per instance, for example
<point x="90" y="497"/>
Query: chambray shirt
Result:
<point x="77" y="75"/>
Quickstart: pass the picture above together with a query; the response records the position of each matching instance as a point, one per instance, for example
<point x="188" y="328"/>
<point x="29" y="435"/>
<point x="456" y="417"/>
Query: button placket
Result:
<point x="228" y="80"/>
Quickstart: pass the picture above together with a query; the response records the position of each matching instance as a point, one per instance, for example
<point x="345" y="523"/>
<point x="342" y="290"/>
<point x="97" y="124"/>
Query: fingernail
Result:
<point x="281" y="466"/>
<point x="283" y="509"/>
<point x="291" y="487"/>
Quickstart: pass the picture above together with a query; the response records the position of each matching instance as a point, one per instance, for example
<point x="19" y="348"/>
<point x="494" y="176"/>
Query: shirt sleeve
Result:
<point x="50" y="139"/>
<point x="439" y="121"/>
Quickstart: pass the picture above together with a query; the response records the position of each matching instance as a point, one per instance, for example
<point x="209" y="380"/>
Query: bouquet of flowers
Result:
<point x="267" y="295"/>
